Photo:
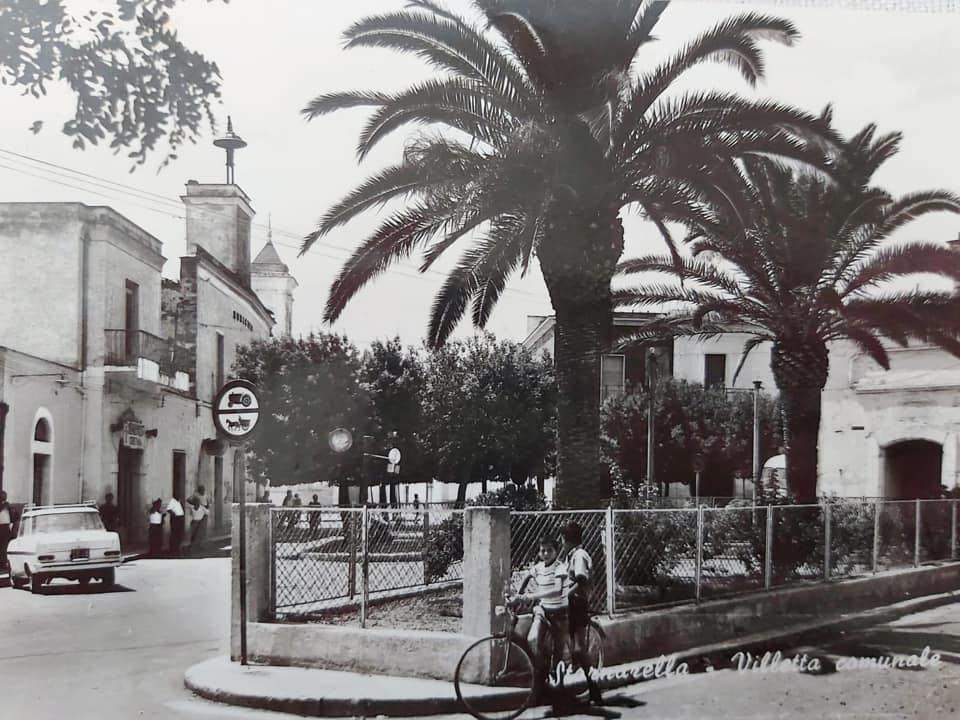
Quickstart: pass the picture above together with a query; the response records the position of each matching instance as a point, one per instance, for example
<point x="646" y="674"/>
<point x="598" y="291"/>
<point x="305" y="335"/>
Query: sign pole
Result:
<point x="236" y="410"/>
<point x="243" y="573"/>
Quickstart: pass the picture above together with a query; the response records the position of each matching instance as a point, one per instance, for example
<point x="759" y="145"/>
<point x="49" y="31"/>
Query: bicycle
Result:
<point x="504" y="660"/>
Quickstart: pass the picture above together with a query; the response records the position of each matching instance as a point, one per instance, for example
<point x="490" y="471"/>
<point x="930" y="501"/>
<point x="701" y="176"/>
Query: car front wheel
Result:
<point x="36" y="583"/>
<point x="18" y="581"/>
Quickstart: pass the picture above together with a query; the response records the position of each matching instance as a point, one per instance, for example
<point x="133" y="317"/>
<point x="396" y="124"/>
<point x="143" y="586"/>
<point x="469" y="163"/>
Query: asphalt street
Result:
<point x="120" y="655"/>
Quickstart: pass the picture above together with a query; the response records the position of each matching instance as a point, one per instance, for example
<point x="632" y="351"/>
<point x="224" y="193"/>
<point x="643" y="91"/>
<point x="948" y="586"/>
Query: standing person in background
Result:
<point x="109" y="513"/>
<point x="198" y="517"/>
<point x="177" y="523"/>
<point x="314" y="516"/>
<point x="155" y="530"/>
<point x="6" y="523"/>
<point x="579" y="569"/>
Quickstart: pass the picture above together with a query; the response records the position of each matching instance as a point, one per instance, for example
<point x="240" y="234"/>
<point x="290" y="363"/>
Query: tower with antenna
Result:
<point x="271" y="280"/>
<point x="219" y="215"/>
<point x="231" y="142"/>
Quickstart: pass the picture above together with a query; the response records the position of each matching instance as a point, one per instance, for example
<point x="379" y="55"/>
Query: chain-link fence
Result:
<point x="682" y="555"/>
<point x="403" y="566"/>
<point x="527" y="529"/>
<point x="376" y="565"/>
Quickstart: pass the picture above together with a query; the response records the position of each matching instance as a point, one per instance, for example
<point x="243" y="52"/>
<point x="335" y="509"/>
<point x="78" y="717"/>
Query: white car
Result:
<point x="66" y="541"/>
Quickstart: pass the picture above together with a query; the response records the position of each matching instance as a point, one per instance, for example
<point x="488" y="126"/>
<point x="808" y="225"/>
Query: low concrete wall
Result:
<point x="630" y="637"/>
<point x="647" y="634"/>
<point x="407" y="653"/>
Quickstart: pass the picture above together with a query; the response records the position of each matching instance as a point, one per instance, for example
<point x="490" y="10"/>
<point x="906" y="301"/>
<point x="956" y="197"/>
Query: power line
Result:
<point x="148" y="196"/>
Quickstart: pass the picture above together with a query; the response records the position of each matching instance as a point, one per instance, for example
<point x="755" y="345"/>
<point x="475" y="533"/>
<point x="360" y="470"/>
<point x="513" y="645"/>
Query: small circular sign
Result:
<point x="394" y="456"/>
<point x="699" y="462"/>
<point x="340" y="440"/>
<point x="236" y="409"/>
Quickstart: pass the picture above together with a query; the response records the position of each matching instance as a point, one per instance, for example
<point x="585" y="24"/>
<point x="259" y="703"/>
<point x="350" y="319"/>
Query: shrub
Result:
<point x="444" y="542"/>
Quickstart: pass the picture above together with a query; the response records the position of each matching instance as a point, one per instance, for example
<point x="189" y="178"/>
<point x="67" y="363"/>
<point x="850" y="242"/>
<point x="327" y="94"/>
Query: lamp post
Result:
<point x="651" y="370"/>
<point x="756" y="435"/>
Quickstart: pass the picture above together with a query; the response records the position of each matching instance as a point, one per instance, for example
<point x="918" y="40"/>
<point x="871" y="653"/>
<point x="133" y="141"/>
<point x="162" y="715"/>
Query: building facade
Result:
<point x="108" y="370"/>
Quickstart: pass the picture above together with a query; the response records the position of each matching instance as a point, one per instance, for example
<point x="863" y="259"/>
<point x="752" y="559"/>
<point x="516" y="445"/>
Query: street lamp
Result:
<point x="651" y="370"/>
<point x="756" y="435"/>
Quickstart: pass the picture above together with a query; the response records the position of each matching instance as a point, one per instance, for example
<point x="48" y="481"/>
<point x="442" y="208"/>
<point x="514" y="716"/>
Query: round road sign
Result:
<point x="340" y="440"/>
<point x="393" y="456"/>
<point x="236" y="409"/>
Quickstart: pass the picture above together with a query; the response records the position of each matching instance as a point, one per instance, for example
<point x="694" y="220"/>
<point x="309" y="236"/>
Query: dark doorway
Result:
<point x="128" y="473"/>
<point x="913" y="469"/>
<point x="179" y="475"/>
<point x="41" y="479"/>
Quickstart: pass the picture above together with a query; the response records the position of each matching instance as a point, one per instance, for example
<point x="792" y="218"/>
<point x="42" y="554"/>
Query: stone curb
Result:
<point x="695" y="657"/>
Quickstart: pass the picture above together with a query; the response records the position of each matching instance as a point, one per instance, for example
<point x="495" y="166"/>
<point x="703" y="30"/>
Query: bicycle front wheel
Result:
<point x="506" y="676"/>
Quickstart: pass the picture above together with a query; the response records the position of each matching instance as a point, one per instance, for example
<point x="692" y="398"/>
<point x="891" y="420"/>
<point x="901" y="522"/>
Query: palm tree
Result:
<point x="546" y="132"/>
<point x="805" y="262"/>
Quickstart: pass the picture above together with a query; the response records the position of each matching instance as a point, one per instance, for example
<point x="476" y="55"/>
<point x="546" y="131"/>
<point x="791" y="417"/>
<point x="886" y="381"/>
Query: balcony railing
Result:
<point x="127" y="348"/>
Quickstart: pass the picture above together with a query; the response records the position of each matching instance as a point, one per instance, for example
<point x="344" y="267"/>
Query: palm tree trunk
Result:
<point x="578" y="264"/>
<point x="800" y="368"/>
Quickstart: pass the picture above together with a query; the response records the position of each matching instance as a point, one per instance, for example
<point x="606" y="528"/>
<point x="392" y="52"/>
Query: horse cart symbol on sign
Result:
<point x="241" y="424"/>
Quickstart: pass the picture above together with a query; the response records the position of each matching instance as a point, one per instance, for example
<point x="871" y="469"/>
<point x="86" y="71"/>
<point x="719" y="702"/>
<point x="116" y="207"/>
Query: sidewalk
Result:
<point x="218" y="546"/>
<point x="329" y="693"/>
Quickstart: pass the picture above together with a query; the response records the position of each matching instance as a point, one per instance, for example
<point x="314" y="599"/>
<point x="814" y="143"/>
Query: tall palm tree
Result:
<point x="546" y="131"/>
<point x="806" y="262"/>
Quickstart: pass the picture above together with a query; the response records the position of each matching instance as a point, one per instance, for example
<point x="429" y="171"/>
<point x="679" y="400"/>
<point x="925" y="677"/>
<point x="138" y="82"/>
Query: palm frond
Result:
<point x="527" y="45"/>
<point x="642" y="26"/>
<point x="393" y="240"/>
<point x="702" y="272"/>
<point x="917" y="257"/>
<point x="749" y="346"/>
<point x="457" y="103"/>
<point x="331" y="102"/>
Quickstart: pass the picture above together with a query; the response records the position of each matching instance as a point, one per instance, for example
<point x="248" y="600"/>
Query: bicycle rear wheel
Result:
<point x="506" y="670"/>
<point x="595" y="638"/>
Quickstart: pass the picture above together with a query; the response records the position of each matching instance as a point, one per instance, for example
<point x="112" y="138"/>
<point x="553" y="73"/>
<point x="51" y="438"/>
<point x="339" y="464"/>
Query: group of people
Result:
<point x="560" y="598"/>
<point x="199" y="508"/>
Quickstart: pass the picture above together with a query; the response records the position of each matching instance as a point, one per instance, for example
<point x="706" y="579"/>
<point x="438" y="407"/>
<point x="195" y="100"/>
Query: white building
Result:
<point x="107" y="370"/>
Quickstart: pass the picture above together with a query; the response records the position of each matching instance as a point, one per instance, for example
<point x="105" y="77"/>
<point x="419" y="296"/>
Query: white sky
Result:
<point x="898" y="69"/>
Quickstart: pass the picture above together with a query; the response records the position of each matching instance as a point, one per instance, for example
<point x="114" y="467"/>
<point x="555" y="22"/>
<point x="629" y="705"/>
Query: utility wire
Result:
<point x="145" y="195"/>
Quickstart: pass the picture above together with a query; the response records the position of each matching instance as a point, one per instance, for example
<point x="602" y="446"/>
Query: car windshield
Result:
<point x="59" y="522"/>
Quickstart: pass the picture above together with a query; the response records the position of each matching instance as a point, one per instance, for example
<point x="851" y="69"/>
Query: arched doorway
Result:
<point x="41" y="458"/>
<point x="913" y="469"/>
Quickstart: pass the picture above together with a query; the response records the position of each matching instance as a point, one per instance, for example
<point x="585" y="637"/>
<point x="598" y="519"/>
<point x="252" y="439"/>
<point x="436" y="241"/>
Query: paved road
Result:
<point x="79" y="654"/>
<point x="121" y="656"/>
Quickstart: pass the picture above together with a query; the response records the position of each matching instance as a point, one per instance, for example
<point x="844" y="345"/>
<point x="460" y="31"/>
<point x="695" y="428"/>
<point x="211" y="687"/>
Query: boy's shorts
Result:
<point x="578" y="614"/>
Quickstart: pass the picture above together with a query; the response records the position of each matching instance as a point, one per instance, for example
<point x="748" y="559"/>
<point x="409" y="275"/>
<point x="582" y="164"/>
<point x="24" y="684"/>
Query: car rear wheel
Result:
<point x="84" y="580"/>
<point x="109" y="577"/>
<point x="18" y="581"/>
<point x="36" y="583"/>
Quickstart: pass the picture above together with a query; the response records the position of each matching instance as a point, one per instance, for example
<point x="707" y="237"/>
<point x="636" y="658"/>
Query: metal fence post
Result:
<point x="350" y="529"/>
<point x="953" y="530"/>
<point x="768" y="551"/>
<point x="699" y="566"/>
<point x="364" y="567"/>
<point x="423" y="544"/>
<point x="877" y="506"/>
<point x="826" y="541"/>
<point x="916" y="536"/>
<point x="273" y="565"/>
<point x="611" y="562"/>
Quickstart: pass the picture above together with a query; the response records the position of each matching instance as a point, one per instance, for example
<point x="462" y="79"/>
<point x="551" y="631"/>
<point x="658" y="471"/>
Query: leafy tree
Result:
<point x="690" y="419"/>
<point x="307" y="388"/>
<point x="489" y="410"/>
<point x="395" y="379"/>
<point x="136" y="84"/>
<point x="548" y="130"/>
<point x="807" y="262"/>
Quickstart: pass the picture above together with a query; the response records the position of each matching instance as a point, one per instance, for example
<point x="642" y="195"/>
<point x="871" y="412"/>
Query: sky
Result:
<point x="895" y="68"/>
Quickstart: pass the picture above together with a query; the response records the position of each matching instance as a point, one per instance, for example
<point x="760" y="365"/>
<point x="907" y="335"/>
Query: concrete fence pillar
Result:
<point x="259" y="544"/>
<point x="486" y="568"/>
